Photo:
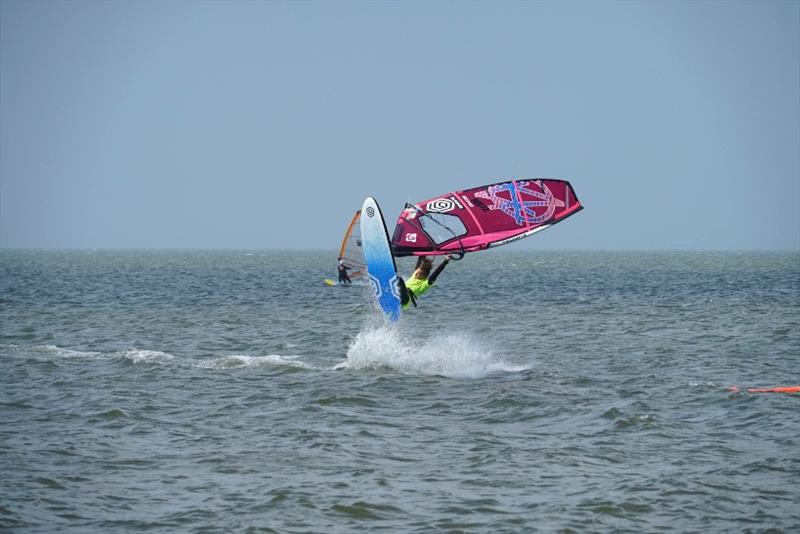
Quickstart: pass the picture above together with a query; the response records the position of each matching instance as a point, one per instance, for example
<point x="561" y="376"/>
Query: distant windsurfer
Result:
<point x="344" y="278"/>
<point x="419" y="282"/>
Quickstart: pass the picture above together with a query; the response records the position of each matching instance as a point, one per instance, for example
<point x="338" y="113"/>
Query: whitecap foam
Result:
<point x="455" y="355"/>
<point x="147" y="356"/>
<point x="63" y="353"/>
<point x="241" y="360"/>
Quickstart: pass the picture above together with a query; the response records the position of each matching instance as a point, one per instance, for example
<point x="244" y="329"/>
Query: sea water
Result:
<point x="529" y="392"/>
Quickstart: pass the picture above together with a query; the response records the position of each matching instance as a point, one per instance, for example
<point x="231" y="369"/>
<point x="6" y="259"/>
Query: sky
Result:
<point x="266" y="124"/>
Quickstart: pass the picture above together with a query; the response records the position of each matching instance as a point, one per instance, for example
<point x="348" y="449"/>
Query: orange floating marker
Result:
<point x="776" y="389"/>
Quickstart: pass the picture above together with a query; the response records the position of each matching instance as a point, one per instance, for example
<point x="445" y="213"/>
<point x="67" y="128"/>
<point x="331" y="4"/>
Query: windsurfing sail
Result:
<point x="350" y="252"/>
<point x="482" y="217"/>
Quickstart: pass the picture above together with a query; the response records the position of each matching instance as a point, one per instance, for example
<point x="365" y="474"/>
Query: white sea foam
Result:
<point x="63" y="353"/>
<point x="148" y="356"/>
<point x="132" y="354"/>
<point x="141" y="356"/>
<point x="455" y="355"/>
<point x="241" y="360"/>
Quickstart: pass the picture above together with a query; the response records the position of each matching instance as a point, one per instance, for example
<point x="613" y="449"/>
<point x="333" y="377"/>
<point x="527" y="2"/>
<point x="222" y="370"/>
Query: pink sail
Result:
<point x="482" y="217"/>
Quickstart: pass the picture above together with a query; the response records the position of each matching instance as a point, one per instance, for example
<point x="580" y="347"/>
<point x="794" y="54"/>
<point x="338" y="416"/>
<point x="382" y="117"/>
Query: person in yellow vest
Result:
<point x="421" y="281"/>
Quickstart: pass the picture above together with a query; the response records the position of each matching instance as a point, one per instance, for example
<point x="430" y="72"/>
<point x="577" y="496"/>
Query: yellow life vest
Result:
<point x="417" y="286"/>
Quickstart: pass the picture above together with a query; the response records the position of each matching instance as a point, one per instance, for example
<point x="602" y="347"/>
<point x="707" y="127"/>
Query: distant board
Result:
<point x="381" y="269"/>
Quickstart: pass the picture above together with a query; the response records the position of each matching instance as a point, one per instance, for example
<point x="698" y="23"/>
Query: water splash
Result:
<point x="455" y="355"/>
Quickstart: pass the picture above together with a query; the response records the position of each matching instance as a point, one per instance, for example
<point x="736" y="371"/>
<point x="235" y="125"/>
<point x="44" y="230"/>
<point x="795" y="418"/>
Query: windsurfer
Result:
<point x="344" y="278"/>
<point x="420" y="281"/>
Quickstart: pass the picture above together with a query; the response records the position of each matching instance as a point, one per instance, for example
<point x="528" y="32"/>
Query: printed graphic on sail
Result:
<point x="481" y="217"/>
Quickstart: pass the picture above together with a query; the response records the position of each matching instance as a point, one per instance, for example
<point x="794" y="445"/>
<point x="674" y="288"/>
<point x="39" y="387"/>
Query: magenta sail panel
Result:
<point x="478" y="218"/>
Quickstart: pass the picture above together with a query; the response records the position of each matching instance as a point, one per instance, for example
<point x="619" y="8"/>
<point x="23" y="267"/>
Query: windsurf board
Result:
<point x="381" y="268"/>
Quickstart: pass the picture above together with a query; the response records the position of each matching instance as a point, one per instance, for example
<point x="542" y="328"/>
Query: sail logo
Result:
<point x="370" y="211"/>
<point x="440" y="205"/>
<point x="411" y="238"/>
<point x="519" y="204"/>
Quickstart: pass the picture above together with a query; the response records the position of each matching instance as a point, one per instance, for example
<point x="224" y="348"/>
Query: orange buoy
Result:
<point x="776" y="389"/>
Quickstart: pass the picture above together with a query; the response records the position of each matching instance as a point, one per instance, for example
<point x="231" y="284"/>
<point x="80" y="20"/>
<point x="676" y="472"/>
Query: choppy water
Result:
<point x="233" y="391"/>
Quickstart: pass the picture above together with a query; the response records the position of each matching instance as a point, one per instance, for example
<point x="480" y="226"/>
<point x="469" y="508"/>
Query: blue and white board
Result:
<point x="381" y="269"/>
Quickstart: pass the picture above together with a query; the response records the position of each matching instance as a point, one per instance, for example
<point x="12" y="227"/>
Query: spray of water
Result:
<point x="454" y="355"/>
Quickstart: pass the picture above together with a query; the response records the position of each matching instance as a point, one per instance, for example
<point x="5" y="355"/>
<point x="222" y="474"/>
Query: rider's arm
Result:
<point x="437" y="272"/>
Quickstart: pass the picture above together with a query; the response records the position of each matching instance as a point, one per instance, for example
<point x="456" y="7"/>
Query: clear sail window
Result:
<point x="442" y="226"/>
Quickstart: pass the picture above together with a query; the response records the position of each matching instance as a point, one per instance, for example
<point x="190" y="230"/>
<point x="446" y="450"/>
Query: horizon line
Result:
<point x="334" y="250"/>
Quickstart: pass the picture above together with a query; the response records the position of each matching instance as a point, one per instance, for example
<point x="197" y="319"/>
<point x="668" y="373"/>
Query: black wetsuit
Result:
<point x="343" y="277"/>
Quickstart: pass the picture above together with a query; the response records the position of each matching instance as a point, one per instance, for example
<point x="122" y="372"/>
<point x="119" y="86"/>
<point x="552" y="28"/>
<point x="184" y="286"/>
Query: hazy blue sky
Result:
<point x="265" y="125"/>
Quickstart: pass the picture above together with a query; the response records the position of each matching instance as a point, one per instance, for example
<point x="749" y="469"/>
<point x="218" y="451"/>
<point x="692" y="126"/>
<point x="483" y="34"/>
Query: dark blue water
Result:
<point x="554" y="391"/>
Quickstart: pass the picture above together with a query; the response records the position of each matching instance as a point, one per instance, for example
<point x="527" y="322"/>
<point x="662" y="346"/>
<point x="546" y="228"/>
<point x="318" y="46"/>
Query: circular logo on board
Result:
<point x="370" y="211"/>
<point x="441" y="205"/>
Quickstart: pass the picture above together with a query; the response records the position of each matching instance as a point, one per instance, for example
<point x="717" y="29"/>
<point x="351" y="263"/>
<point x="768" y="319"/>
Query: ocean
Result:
<point x="233" y="391"/>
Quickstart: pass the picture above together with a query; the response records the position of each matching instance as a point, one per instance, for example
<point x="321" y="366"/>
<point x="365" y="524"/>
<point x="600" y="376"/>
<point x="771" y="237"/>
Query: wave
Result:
<point x="238" y="361"/>
<point x="55" y="351"/>
<point x="137" y="356"/>
<point x="147" y="356"/>
<point x="455" y="355"/>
